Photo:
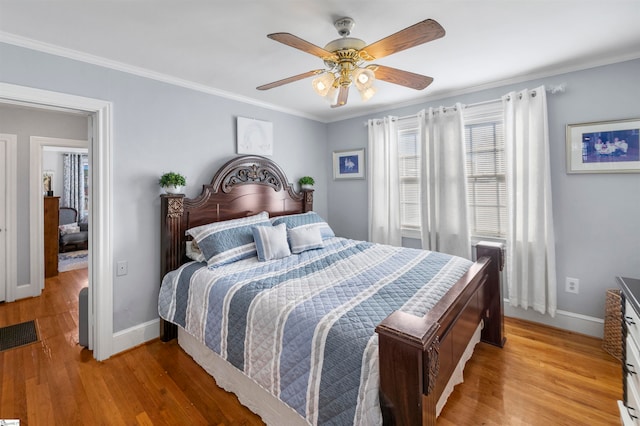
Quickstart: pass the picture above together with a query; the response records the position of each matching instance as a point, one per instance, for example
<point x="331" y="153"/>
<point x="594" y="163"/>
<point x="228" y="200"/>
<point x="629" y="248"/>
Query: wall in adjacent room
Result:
<point x="595" y="215"/>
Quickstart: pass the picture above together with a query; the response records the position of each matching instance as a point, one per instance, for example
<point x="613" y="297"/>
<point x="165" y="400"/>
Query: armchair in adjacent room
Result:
<point x="72" y="233"/>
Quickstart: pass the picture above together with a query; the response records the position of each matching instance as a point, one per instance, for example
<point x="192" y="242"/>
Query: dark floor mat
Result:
<point x="16" y="335"/>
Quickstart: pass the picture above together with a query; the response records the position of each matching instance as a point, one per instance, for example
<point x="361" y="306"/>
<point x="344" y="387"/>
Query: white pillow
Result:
<point x="70" y="228"/>
<point x="305" y="238"/>
<point x="194" y="253"/>
<point x="271" y="242"/>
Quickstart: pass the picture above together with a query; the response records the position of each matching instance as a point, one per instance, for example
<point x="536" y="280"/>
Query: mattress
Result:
<point x="303" y="327"/>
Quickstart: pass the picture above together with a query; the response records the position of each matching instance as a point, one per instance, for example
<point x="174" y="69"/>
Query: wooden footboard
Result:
<point x="418" y="354"/>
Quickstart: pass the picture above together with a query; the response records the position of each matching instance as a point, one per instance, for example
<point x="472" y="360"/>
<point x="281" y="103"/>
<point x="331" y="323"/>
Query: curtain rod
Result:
<point x="559" y="88"/>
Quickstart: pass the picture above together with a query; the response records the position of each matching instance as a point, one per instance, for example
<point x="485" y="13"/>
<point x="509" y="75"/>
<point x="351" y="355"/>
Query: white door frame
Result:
<point x="36" y="211"/>
<point x="11" y="218"/>
<point x="100" y="214"/>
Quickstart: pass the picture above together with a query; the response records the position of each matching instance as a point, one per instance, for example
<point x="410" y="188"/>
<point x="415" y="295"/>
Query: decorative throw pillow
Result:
<point x="69" y="228"/>
<point x="305" y="238"/>
<point x="304" y="219"/>
<point x="229" y="240"/>
<point x="194" y="252"/>
<point x="271" y="242"/>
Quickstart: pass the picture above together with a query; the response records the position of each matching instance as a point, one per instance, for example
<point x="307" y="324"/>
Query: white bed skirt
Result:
<point x="251" y="395"/>
<point x="268" y="407"/>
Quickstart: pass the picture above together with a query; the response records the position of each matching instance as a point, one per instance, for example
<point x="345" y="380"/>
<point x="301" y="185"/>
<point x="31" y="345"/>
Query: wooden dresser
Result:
<point x="51" y="238"/>
<point x="630" y="407"/>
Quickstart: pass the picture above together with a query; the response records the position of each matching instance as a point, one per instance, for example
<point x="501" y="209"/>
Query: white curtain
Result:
<point x="445" y="225"/>
<point x="384" y="182"/>
<point x="73" y="193"/>
<point x="530" y="260"/>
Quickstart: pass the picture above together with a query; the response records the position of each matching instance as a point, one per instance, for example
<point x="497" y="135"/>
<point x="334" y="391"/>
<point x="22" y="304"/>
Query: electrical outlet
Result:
<point x="122" y="268"/>
<point x="572" y="285"/>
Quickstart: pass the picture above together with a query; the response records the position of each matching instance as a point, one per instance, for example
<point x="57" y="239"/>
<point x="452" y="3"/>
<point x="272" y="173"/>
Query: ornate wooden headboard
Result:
<point x="244" y="186"/>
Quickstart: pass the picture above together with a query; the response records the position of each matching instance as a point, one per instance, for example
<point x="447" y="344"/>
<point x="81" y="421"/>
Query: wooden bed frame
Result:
<point x="417" y="354"/>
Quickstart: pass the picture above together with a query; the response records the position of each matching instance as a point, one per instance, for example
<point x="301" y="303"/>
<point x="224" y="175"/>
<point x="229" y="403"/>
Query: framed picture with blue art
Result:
<point x="348" y="164"/>
<point x="604" y="147"/>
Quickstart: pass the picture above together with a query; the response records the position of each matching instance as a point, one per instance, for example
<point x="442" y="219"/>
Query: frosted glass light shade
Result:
<point x="323" y="83"/>
<point x="363" y="78"/>
<point x="368" y="93"/>
<point x="332" y="95"/>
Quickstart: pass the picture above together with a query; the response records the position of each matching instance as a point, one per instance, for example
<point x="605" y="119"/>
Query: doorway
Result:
<point x="38" y="146"/>
<point x="100" y="337"/>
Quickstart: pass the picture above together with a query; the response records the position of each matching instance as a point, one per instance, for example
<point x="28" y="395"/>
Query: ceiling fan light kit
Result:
<point x="346" y="61"/>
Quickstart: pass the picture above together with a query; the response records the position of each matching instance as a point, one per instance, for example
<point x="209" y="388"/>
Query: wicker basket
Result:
<point x="612" y="341"/>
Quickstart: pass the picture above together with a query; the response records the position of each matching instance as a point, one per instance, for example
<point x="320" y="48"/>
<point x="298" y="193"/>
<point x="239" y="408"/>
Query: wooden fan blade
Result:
<point x="403" y="78"/>
<point x="305" y="46"/>
<point x="414" y="35"/>
<point x="289" y="80"/>
<point x="342" y="97"/>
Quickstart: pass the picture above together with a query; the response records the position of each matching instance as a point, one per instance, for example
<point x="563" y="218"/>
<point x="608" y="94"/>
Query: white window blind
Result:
<point x="409" y="169"/>
<point x="485" y="166"/>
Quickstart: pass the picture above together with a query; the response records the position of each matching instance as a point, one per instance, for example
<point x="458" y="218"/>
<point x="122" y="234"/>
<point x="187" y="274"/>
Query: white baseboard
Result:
<point x="578" y="323"/>
<point x="134" y="336"/>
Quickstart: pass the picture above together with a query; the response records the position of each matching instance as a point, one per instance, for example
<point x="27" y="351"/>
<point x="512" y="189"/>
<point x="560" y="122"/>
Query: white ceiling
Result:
<point x="221" y="46"/>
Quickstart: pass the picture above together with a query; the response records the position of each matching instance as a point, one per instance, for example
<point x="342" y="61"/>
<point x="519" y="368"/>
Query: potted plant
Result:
<point x="306" y="182"/>
<point x="172" y="182"/>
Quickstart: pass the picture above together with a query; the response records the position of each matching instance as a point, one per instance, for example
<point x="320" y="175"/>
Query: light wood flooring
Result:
<point x="543" y="376"/>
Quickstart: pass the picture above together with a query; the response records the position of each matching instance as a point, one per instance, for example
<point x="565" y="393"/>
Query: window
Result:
<point x="485" y="166"/>
<point x="409" y="169"/>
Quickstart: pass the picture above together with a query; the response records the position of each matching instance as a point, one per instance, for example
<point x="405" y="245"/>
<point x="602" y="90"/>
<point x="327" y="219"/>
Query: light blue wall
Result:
<point x="159" y="127"/>
<point x="596" y="215"/>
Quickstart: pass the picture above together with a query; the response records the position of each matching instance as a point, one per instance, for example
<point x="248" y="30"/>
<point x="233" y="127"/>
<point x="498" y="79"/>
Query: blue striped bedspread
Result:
<point x="303" y="327"/>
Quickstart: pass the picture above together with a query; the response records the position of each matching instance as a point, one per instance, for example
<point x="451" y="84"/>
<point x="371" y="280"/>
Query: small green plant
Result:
<point x="171" y="178"/>
<point x="306" y="180"/>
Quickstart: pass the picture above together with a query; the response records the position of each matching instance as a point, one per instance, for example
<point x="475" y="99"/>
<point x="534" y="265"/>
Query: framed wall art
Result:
<point x="348" y="164"/>
<point x="254" y="136"/>
<point x="604" y="147"/>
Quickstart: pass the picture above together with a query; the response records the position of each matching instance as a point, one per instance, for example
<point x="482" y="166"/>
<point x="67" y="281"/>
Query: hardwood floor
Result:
<point x="543" y="376"/>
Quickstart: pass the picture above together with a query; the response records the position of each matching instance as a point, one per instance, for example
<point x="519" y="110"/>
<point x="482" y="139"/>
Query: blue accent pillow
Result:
<point x="229" y="240"/>
<point x="303" y="238"/>
<point x="294" y="221"/>
<point x="271" y="242"/>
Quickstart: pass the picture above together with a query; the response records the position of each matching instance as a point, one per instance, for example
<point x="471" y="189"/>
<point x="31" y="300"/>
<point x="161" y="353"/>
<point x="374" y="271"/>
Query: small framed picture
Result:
<point x="47" y="182"/>
<point x="348" y="164"/>
<point x="604" y="147"/>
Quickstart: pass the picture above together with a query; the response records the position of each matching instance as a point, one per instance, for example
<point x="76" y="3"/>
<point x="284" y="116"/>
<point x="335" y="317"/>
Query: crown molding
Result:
<point x="64" y="52"/>
<point x="445" y="94"/>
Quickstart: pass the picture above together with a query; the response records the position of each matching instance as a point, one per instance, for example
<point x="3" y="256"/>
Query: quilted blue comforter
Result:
<point x="303" y="327"/>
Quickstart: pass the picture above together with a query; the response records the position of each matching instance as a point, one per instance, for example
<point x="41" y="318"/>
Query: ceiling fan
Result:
<point x="346" y="61"/>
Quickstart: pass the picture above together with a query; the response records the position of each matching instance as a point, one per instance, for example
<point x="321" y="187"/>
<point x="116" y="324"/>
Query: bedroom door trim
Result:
<point x="9" y="146"/>
<point x="100" y="214"/>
